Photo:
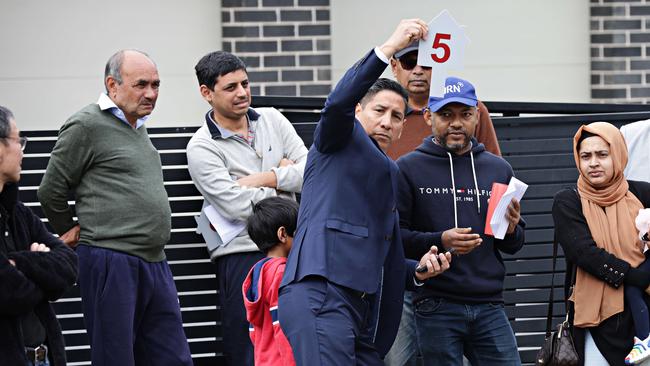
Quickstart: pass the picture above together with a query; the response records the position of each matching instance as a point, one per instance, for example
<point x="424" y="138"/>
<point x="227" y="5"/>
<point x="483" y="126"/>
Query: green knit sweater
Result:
<point x="116" y="175"/>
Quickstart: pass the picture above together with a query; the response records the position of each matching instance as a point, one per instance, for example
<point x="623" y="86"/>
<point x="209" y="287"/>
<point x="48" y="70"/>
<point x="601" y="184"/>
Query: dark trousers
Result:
<point x="231" y="271"/>
<point x="327" y="324"/>
<point x="634" y="296"/>
<point x="131" y="310"/>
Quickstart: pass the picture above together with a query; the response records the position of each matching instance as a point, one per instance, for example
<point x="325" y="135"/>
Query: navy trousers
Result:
<point x="231" y="270"/>
<point x="327" y="324"/>
<point x="131" y="310"/>
<point x="635" y="298"/>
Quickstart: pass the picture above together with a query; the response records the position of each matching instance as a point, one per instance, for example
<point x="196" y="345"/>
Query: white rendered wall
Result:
<point x="52" y="54"/>
<point x="526" y="50"/>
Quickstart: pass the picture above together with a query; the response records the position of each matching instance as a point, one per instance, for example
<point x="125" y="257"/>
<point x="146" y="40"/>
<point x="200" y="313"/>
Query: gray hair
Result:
<point x="114" y="65"/>
<point x="5" y="118"/>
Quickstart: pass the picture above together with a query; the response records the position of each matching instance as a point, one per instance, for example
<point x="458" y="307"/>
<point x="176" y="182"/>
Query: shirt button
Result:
<point x="388" y="238"/>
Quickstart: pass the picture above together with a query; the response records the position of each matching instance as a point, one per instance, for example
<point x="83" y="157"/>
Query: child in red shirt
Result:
<point x="271" y="227"/>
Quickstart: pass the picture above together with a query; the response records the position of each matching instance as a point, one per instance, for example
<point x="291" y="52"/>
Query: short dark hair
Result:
<point x="5" y="118"/>
<point x="216" y="64"/>
<point x="268" y="216"/>
<point x="386" y="84"/>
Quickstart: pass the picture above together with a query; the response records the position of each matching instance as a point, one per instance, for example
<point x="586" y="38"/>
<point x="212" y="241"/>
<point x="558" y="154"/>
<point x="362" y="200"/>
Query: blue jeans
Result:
<point x="38" y="363"/>
<point x="404" y="350"/>
<point x="481" y="332"/>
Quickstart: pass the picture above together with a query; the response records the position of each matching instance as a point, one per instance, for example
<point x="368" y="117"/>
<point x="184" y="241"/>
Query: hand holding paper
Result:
<point x="513" y="215"/>
<point x="502" y="209"/>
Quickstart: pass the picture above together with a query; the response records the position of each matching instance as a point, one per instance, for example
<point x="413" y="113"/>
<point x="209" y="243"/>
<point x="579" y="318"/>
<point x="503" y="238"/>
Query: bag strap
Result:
<point x="549" y="314"/>
<point x="568" y="305"/>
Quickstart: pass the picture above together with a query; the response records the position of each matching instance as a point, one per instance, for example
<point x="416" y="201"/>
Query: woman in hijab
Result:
<point x="595" y="226"/>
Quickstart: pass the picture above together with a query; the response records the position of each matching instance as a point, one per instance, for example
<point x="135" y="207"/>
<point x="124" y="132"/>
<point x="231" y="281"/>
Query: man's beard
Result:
<point x="456" y="147"/>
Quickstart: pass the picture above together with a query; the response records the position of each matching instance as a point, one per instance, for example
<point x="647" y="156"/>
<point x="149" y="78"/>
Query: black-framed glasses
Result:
<point x="409" y="61"/>
<point x="22" y="140"/>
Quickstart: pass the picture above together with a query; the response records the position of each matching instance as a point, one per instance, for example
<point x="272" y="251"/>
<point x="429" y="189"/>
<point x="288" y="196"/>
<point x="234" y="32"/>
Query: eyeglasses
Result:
<point x="410" y="60"/>
<point x="22" y="140"/>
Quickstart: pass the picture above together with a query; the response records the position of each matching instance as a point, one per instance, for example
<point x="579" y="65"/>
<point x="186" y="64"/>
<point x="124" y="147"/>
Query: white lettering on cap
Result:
<point x="454" y="88"/>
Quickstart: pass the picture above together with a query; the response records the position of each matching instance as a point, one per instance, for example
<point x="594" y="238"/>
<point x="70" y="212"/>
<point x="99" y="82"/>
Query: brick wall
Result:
<point x="620" y="51"/>
<point x="286" y="44"/>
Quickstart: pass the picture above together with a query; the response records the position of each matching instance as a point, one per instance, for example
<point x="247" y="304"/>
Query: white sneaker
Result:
<point x="640" y="351"/>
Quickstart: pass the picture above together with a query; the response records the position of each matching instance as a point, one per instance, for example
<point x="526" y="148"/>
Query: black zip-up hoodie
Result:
<point x="439" y="190"/>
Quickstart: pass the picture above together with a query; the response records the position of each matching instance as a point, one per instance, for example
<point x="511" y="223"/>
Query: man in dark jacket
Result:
<point x="443" y="196"/>
<point x="341" y="296"/>
<point x="35" y="267"/>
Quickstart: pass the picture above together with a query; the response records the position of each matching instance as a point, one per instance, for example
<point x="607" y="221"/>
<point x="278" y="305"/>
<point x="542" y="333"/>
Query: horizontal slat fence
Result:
<point x="538" y="148"/>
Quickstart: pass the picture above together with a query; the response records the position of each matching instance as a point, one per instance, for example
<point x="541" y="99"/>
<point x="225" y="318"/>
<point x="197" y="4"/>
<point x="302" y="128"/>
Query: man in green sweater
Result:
<point x="104" y="155"/>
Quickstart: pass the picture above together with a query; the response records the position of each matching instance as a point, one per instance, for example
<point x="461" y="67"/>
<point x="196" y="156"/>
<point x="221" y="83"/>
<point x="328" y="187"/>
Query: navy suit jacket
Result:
<point x="348" y="225"/>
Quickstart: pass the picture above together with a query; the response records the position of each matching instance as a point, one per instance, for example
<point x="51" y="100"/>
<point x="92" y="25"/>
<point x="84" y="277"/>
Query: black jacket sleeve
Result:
<point x="410" y="278"/>
<point x="54" y="272"/>
<point x="18" y="294"/>
<point x="572" y="233"/>
<point x="512" y="243"/>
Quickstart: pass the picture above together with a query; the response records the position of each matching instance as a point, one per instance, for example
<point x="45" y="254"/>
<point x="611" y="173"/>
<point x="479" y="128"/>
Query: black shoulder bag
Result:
<point x="558" y="348"/>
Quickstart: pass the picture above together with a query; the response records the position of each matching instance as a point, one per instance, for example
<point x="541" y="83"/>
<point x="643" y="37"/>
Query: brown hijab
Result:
<point x="610" y="213"/>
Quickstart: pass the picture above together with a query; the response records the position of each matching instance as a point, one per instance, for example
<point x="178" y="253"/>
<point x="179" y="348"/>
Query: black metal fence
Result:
<point x="538" y="148"/>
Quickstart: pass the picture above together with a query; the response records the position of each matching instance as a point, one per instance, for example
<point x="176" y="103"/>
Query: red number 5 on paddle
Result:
<point x="438" y="43"/>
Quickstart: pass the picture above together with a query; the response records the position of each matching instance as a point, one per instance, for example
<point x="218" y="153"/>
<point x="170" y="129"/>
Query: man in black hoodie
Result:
<point x="443" y="196"/>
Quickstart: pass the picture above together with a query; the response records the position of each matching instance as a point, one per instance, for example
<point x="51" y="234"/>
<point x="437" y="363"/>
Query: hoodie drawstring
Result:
<point x="453" y="187"/>
<point x="478" y="200"/>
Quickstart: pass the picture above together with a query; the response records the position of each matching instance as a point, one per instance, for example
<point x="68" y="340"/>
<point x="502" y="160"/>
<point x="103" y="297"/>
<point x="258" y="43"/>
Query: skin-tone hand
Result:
<point x="38" y="247"/>
<point x="71" y="237"/>
<point x="286" y="162"/>
<point x="462" y="240"/>
<point x="435" y="263"/>
<point x="256" y="180"/>
<point x="35" y="247"/>
<point x="407" y="31"/>
<point x="513" y="215"/>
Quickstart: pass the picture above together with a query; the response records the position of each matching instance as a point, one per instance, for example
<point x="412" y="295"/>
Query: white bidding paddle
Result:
<point x="443" y="49"/>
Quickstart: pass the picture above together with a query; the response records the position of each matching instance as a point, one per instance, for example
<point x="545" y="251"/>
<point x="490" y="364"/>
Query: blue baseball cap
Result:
<point x="456" y="90"/>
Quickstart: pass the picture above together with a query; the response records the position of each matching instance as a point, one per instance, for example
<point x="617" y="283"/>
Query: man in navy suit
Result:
<point x="342" y="292"/>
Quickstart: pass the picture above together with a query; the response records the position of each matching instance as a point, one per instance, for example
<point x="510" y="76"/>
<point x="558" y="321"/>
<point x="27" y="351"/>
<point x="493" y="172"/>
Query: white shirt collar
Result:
<point x="106" y="103"/>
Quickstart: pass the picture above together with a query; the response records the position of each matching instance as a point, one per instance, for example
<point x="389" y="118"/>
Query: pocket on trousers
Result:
<point x="105" y="277"/>
<point x="428" y="306"/>
<point x="317" y="290"/>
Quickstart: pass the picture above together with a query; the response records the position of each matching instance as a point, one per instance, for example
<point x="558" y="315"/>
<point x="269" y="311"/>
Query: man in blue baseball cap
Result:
<point x="443" y="194"/>
<point x="416" y="80"/>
